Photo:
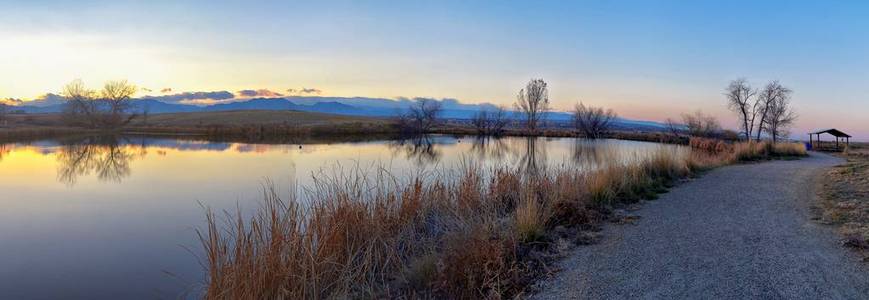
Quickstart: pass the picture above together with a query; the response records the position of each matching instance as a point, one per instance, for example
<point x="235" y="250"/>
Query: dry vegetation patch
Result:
<point x="472" y="233"/>
<point x="845" y="200"/>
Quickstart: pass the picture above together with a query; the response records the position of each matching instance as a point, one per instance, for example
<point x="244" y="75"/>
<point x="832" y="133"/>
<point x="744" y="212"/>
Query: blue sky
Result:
<point x="646" y="59"/>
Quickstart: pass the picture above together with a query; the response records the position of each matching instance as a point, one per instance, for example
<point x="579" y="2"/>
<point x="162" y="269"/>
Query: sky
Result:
<point x="647" y="60"/>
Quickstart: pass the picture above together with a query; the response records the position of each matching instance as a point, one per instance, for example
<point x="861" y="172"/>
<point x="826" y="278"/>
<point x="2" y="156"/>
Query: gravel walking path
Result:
<point x="738" y="232"/>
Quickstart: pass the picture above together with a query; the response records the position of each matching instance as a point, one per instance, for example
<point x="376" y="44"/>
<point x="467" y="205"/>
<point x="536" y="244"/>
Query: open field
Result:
<point x="37" y="126"/>
<point x="205" y="119"/>
<point x="272" y="126"/>
<point x="248" y="125"/>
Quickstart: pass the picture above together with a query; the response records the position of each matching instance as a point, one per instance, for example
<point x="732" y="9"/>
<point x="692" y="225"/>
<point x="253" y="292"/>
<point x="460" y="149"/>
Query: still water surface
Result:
<point x="115" y="217"/>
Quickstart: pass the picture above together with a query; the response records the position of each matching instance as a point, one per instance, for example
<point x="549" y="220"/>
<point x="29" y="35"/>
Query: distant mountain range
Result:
<point x="353" y="106"/>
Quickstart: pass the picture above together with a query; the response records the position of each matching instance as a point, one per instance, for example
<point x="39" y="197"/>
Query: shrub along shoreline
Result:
<point x="476" y="233"/>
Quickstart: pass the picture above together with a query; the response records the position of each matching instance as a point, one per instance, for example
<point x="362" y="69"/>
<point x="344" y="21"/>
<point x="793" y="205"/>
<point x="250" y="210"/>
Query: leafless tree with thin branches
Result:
<point x="672" y="127"/>
<point x="108" y="108"/>
<point x="780" y="116"/>
<point x="740" y="98"/>
<point x="4" y="111"/>
<point x="118" y="96"/>
<point x="533" y="103"/>
<point x="421" y="116"/>
<point x="767" y="98"/>
<point x="490" y="122"/>
<point x="701" y="125"/>
<point x="80" y="108"/>
<point x="592" y="121"/>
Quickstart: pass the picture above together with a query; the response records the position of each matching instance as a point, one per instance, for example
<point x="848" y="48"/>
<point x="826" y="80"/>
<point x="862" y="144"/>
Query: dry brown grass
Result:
<point x="749" y="151"/>
<point x="262" y="125"/>
<point x="20" y="134"/>
<point x="246" y="126"/>
<point x="752" y="151"/>
<point x="789" y="149"/>
<point x="369" y="234"/>
<point x="845" y="200"/>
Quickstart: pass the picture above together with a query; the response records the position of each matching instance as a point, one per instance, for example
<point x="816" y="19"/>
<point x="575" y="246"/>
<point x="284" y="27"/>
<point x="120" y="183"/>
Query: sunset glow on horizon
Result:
<point x="648" y="61"/>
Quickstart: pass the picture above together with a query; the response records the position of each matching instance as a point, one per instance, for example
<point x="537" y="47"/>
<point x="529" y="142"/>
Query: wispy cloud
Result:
<point x="47" y="99"/>
<point x="259" y="93"/>
<point x="11" y="102"/>
<point x="188" y="97"/>
<point x="166" y="90"/>
<point x="305" y="91"/>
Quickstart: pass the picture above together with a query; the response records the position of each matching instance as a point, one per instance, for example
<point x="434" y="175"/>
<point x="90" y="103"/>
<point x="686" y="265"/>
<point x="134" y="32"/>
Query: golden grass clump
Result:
<point x="710" y="145"/>
<point x="748" y="151"/>
<point x="790" y="149"/>
<point x="463" y="234"/>
<point x="529" y="219"/>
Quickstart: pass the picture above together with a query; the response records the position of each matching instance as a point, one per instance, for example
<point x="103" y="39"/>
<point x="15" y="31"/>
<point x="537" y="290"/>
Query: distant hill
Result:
<point x="348" y="106"/>
<point x="243" y="117"/>
<point x="157" y="107"/>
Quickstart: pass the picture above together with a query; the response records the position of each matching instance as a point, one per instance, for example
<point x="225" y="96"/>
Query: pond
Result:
<point x="116" y="217"/>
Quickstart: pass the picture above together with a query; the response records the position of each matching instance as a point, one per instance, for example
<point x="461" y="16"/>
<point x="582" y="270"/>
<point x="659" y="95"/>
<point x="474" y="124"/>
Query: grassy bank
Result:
<point x="472" y="233"/>
<point x="23" y="134"/>
<point x="270" y="127"/>
<point x="241" y="126"/>
<point x="844" y="199"/>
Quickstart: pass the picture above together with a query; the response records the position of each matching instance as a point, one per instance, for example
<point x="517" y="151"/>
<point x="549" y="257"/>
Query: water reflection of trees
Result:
<point x="531" y="156"/>
<point x="597" y="154"/>
<point x="106" y="157"/>
<point x="419" y="149"/>
<point x="487" y="147"/>
<point x="5" y="149"/>
<point x="590" y="155"/>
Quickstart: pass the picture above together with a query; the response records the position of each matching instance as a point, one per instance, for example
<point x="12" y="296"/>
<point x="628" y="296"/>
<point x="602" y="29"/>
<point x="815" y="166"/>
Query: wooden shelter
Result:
<point x="838" y="134"/>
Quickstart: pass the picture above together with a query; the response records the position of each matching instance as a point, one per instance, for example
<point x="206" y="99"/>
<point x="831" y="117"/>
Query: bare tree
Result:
<point x="498" y="121"/>
<point x="490" y="122"/>
<point x="766" y="100"/>
<point x="146" y="110"/>
<point x="4" y="110"/>
<point x="533" y="103"/>
<point x="107" y="109"/>
<point x="593" y="121"/>
<point x="118" y="96"/>
<point x="81" y="104"/>
<point x="740" y="98"/>
<point x="701" y="125"/>
<point x="780" y="116"/>
<point x="672" y="127"/>
<point x="421" y="116"/>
